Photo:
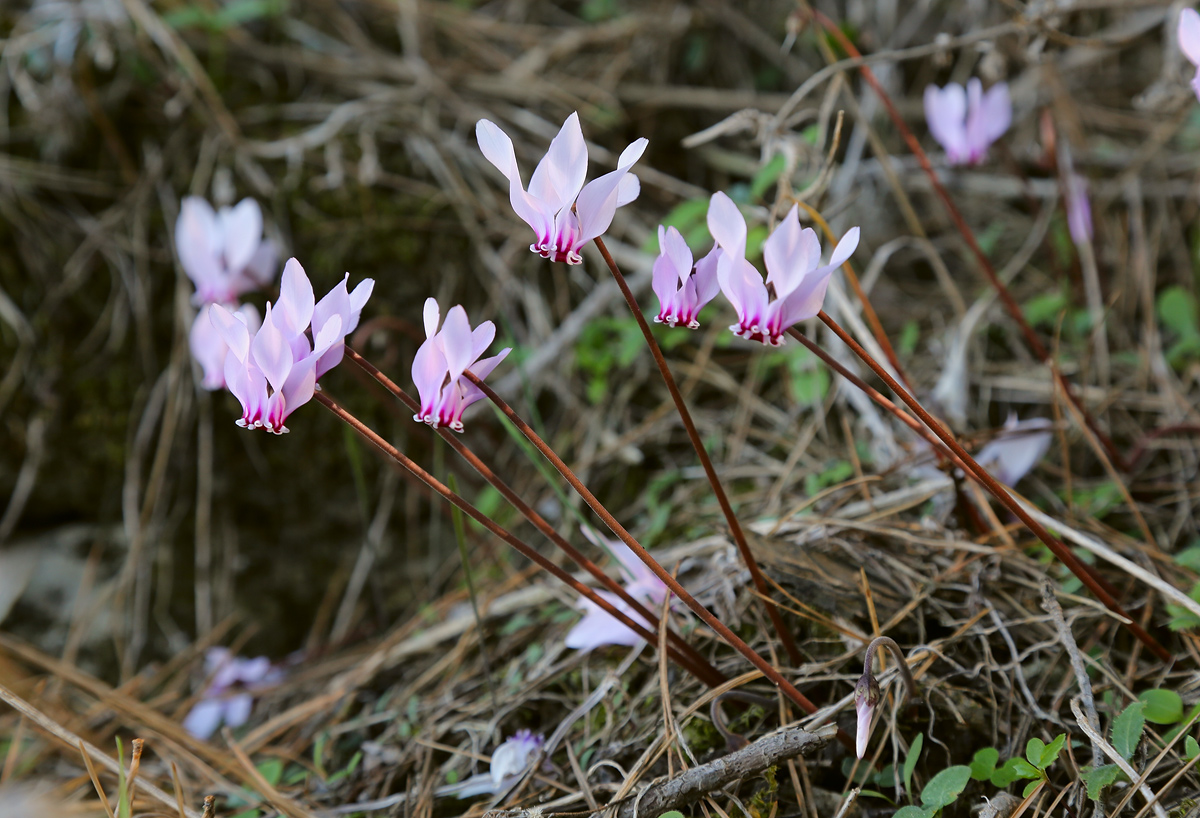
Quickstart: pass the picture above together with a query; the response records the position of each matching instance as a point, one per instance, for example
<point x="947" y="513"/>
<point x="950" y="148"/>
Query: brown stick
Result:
<point x="735" y="528"/>
<point x="999" y="492"/>
<point x="527" y="551"/>
<point x="708" y="618"/>
<point x="1010" y="304"/>
<point x="709" y="674"/>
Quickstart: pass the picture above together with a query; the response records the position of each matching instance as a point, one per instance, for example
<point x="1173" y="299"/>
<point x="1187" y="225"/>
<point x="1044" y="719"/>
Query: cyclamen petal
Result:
<point x="223" y="252"/>
<point x="795" y="284"/>
<point x="1189" y="42"/>
<point x="564" y="213"/>
<point x="440" y="363"/>
<point x="966" y="121"/>
<point x="683" y="289"/>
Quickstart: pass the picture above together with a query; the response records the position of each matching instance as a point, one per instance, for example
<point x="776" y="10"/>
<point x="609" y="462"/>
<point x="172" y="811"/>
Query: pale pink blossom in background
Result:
<point x="229" y="696"/>
<point x="1079" y="210"/>
<point x="209" y="348"/>
<point x="509" y="762"/>
<point x="1018" y="448"/>
<point x="564" y="213"/>
<point x="966" y="121"/>
<point x="223" y="252"/>
<point x="440" y="362"/>
<point x="682" y="288"/>
<point x="273" y="372"/>
<point x="599" y="627"/>
<point x="1189" y="43"/>
<point x="796" y="281"/>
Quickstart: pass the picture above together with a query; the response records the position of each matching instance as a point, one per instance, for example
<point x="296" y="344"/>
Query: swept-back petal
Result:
<point x="358" y="300"/>
<point x="294" y="309"/>
<point x="665" y="283"/>
<point x="299" y="387"/>
<point x="559" y="176"/>
<point x="431" y="314"/>
<point x="196" y="237"/>
<point x="706" y="276"/>
<point x="497" y="148"/>
<point x="946" y="115"/>
<point x="469" y="392"/>
<point x="204" y="718"/>
<point x="728" y="228"/>
<point x="628" y="190"/>
<point x="676" y="249"/>
<point x="996" y="112"/>
<point x="335" y="302"/>
<point x="481" y="338"/>
<point x="806" y="300"/>
<point x="845" y="248"/>
<point x="598" y="627"/>
<point x="261" y="269"/>
<point x="790" y="253"/>
<point x="209" y="349"/>
<point x="1189" y="35"/>
<point x="242" y="227"/>
<point x="598" y="201"/>
<point x="271" y="352"/>
<point x="232" y="329"/>
<point x="429" y="372"/>
<point x="744" y="287"/>
<point x="456" y="341"/>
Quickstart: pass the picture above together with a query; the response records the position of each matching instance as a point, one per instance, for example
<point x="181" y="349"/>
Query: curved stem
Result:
<point x="1000" y="493"/>
<point x="705" y="615"/>
<point x="704" y="670"/>
<point x="527" y="551"/>
<point x="901" y="660"/>
<point x="735" y="528"/>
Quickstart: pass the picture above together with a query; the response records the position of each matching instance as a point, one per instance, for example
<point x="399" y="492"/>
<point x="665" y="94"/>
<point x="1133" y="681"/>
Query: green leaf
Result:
<point x="983" y="764"/>
<point x="944" y="787"/>
<point x="913" y="812"/>
<point x="1044" y="309"/>
<point x="1190" y="557"/>
<point x="1030" y="787"/>
<point x="1033" y="752"/>
<point x="1177" y="311"/>
<point x="1190" y="748"/>
<point x="1099" y="778"/>
<point x="910" y="761"/>
<point x="1162" y="706"/>
<point x="1051" y="751"/>
<point x="1127" y="729"/>
<point x="672" y="814"/>
<point x="271" y="770"/>
<point x="1013" y="769"/>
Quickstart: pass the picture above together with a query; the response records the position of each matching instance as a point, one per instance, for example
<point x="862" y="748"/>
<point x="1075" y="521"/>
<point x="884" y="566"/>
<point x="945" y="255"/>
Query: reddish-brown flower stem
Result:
<point x="735" y="528"/>
<point x="702" y="668"/>
<point x="705" y="615"/>
<point x="525" y="550"/>
<point x="1010" y="304"/>
<point x="999" y="492"/>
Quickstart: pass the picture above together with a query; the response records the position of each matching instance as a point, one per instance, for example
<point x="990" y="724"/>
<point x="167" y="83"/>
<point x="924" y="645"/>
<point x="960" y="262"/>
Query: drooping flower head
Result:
<point x="230" y="693"/>
<point x="440" y="362"/>
<point x="796" y="283"/>
<point x="223" y="252"/>
<point x="599" y="627"/>
<point x="274" y="371"/>
<point x="209" y="348"/>
<point x="564" y="213"/>
<point x="1017" y="449"/>
<point x="509" y="761"/>
<point x="866" y="696"/>
<point x="1189" y="42"/>
<point x="966" y="121"/>
<point x="1079" y="210"/>
<point x="682" y="288"/>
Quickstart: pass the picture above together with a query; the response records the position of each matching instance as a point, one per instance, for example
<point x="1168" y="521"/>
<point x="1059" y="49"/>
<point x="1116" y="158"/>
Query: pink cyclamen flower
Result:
<point x="223" y="252"/>
<point x="682" y="288"/>
<point x="564" y="213"/>
<point x="509" y="761"/>
<point x="1079" y="210"/>
<point x="599" y="627"/>
<point x="966" y="121"/>
<point x="1189" y="42"/>
<point x="274" y="371"/>
<point x="209" y="348"/>
<point x="795" y="285"/>
<point x="1017" y="449"/>
<point x="440" y="362"/>
<point x="230" y="693"/>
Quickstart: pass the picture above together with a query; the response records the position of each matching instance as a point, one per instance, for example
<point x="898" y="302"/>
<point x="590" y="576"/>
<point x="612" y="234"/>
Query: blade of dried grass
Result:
<point x="272" y="796"/>
<point x="91" y="768"/>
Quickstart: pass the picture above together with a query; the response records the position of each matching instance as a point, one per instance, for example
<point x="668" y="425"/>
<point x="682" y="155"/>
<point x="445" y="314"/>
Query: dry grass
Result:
<point x="142" y="526"/>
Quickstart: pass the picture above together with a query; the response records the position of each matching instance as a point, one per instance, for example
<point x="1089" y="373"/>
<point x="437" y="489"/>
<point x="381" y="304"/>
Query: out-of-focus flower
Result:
<point x="966" y="121"/>
<point x="1017" y="449"/>
<point x="230" y="693"/>
<point x="1079" y="210"/>
<point x="1189" y="42"/>
<point x="223" y="252"/>
<point x="509" y="761"/>
<point x="682" y="289"/>
<point x="564" y="213"/>
<point x="866" y="696"/>
<point x="796" y="283"/>
<point x="440" y="362"/>
<point x="209" y="348"/>
<point x="599" y="627"/>
<point x="273" y="372"/>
